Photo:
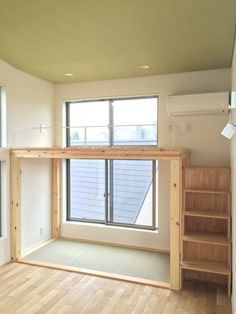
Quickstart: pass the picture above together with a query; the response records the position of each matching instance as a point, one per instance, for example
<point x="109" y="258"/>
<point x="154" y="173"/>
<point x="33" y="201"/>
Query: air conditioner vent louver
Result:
<point x="198" y="104"/>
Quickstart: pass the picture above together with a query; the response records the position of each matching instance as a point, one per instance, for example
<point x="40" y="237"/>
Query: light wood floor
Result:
<point x="29" y="289"/>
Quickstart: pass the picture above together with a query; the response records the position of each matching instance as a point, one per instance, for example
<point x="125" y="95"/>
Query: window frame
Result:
<point x="110" y="123"/>
<point x="107" y="207"/>
<point x="3" y="117"/>
<point x="68" y="197"/>
<point x="108" y="210"/>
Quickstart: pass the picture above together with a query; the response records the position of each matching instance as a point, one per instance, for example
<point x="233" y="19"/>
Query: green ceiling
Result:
<point x="107" y="39"/>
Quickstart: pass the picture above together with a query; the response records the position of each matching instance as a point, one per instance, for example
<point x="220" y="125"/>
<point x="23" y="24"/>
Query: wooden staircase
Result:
<point x="206" y="226"/>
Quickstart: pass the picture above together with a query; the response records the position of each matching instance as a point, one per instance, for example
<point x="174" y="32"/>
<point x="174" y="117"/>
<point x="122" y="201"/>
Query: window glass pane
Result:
<point x="89" y="123"/>
<point x="77" y="136"/>
<point x="132" y="190"/>
<point x="87" y="188"/>
<point x="135" y="121"/>
<point x="132" y="122"/>
<point x="97" y="136"/>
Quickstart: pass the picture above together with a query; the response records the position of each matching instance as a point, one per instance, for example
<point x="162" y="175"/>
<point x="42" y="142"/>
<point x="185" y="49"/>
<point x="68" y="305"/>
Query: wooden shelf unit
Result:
<point x="206" y="225"/>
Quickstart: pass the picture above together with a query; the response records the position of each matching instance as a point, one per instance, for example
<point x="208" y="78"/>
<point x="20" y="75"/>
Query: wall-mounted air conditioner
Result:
<point x="198" y="104"/>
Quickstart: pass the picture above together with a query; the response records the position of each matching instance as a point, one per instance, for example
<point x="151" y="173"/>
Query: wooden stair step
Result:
<point x="206" y="191"/>
<point x="206" y="266"/>
<point x="206" y="214"/>
<point x="203" y="237"/>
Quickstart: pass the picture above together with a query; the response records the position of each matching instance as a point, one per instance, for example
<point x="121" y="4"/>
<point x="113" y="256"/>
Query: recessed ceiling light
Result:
<point x="69" y="74"/>
<point x="145" y="66"/>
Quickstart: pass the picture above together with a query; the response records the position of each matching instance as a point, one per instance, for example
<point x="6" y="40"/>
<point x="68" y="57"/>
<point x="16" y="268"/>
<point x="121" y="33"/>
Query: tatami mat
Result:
<point x="106" y="258"/>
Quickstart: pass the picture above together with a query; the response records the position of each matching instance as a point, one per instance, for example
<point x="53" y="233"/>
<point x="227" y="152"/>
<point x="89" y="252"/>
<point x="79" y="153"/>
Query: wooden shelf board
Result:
<point x="206" y="191"/>
<point x="206" y="214"/>
<point x="205" y="266"/>
<point x="208" y="238"/>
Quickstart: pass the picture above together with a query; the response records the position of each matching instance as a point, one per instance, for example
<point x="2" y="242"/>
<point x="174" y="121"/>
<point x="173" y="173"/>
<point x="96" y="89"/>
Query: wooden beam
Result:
<point x="152" y="153"/>
<point x="56" y="201"/>
<point x="175" y="208"/>
<point x="15" y="214"/>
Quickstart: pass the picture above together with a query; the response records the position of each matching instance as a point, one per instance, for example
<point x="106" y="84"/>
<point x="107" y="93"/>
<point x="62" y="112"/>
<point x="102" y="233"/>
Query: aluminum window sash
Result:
<point x="68" y="144"/>
<point x="154" y="194"/>
<point x="68" y="189"/>
<point x="106" y="194"/>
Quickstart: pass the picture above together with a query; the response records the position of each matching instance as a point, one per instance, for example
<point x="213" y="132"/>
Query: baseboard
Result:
<point x="116" y="245"/>
<point x="36" y="247"/>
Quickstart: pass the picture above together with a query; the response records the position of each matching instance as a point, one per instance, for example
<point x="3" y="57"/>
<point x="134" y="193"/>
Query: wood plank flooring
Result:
<point x="30" y="289"/>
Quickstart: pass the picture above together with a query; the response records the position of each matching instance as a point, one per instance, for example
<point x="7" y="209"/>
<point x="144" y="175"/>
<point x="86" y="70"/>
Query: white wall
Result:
<point x="29" y="103"/>
<point x="233" y="183"/>
<point x="5" y="200"/>
<point x="36" y="202"/>
<point x="207" y="146"/>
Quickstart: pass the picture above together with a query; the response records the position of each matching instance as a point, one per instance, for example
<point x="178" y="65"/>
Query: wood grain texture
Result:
<point x="15" y="229"/>
<point x="216" y="277"/>
<point x="205" y="252"/>
<point x="212" y="225"/>
<point x="207" y="178"/>
<point x="56" y="197"/>
<point x="206" y="226"/>
<point x="207" y="238"/>
<point x="175" y="209"/>
<point x="206" y="201"/>
<point x="207" y="214"/>
<point x="103" y="153"/>
<point x="30" y="289"/>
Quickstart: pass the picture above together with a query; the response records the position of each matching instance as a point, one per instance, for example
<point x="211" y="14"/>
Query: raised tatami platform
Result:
<point x="104" y="260"/>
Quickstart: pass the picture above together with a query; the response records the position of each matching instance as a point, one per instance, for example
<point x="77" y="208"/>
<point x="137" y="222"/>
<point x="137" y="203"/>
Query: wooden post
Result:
<point x="15" y="208"/>
<point x="56" y="197"/>
<point x="175" y="208"/>
<point x="185" y="163"/>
